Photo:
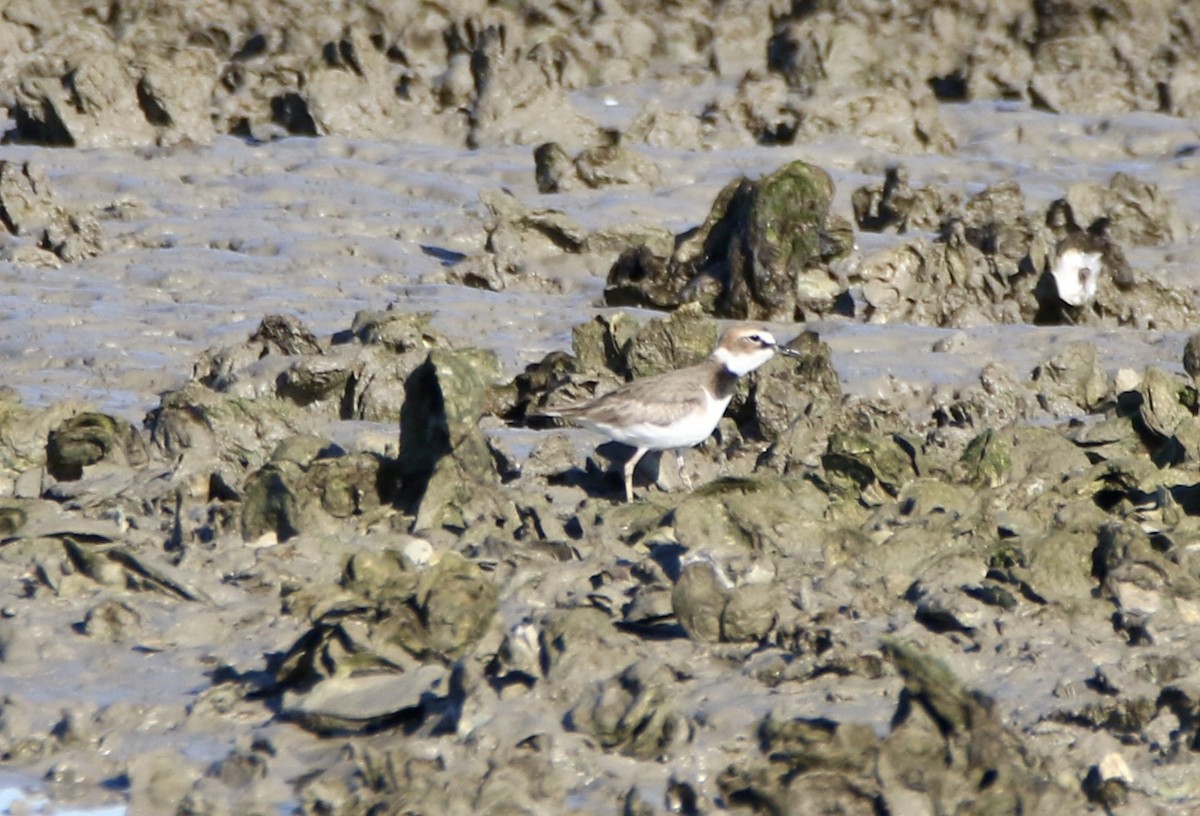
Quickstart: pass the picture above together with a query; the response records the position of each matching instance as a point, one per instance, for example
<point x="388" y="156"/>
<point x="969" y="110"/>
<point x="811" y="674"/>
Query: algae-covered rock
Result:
<point x="393" y="621"/>
<point x="634" y="712"/>
<point x="946" y="752"/>
<point x="775" y="226"/>
<point x="946" y="740"/>
<point x="446" y="468"/>
<point x="683" y="338"/>
<point x="604" y="341"/>
<point x="699" y="598"/>
<point x="770" y="515"/>
<point x="397" y="330"/>
<point x="870" y="467"/>
<point x="23" y="435"/>
<point x="455" y="602"/>
<point x="88" y="438"/>
<point x="270" y="503"/>
<point x="793" y="394"/>
<point x="1164" y="415"/>
<point x="310" y="493"/>
<point x="760" y="254"/>
<point x="1072" y="376"/>
<point x="241" y="432"/>
<point x="1018" y="454"/>
<point x="1153" y="585"/>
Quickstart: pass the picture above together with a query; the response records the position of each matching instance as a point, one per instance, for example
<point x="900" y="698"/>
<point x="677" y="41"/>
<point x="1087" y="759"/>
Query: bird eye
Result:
<point x="754" y="338"/>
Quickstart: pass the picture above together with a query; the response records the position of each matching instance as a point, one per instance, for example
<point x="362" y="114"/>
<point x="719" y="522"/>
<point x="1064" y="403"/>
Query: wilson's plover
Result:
<point x="678" y="409"/>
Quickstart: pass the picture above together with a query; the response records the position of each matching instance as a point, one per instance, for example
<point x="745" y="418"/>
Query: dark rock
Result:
<point x="641" y="277"/>
<point x="604" y="165"/>
<point x="893" y="205"/>
<point x="284" y="334"/>
<point x="1191" y="356"/>
<point x="89" y="438"/>
<point x="553" y="168"/>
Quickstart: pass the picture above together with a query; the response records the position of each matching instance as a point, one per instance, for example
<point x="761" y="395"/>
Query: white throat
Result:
<point x="739" y="364"/>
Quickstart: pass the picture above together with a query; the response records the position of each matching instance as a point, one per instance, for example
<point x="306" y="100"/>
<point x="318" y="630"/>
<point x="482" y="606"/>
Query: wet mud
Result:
<point x="282" y="528"/>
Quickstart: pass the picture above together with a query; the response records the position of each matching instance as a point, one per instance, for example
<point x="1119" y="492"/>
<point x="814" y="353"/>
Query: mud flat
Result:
<point x="283" y="291"/>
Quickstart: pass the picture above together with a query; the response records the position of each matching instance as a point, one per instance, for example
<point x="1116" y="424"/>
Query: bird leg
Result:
<point x="629" y="466"/>
<point x="683" y="477"/>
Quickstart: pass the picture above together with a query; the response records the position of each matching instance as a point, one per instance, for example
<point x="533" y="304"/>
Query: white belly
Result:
<point x="688" y="430"/>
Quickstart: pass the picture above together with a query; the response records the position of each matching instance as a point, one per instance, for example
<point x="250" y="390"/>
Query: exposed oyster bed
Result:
<point x="281" y="289"/>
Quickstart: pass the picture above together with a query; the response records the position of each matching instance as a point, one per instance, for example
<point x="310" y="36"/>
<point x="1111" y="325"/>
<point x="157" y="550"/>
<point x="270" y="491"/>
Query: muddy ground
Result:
<point x="281" y="288"/>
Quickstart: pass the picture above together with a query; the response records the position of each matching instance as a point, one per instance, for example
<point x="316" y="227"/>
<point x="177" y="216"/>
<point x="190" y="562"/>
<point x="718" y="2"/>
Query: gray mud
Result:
<point x="281" y="287"/>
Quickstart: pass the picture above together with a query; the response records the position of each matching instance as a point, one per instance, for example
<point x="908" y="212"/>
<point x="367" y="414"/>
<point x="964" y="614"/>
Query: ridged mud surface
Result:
<point x="283" y="289"/>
